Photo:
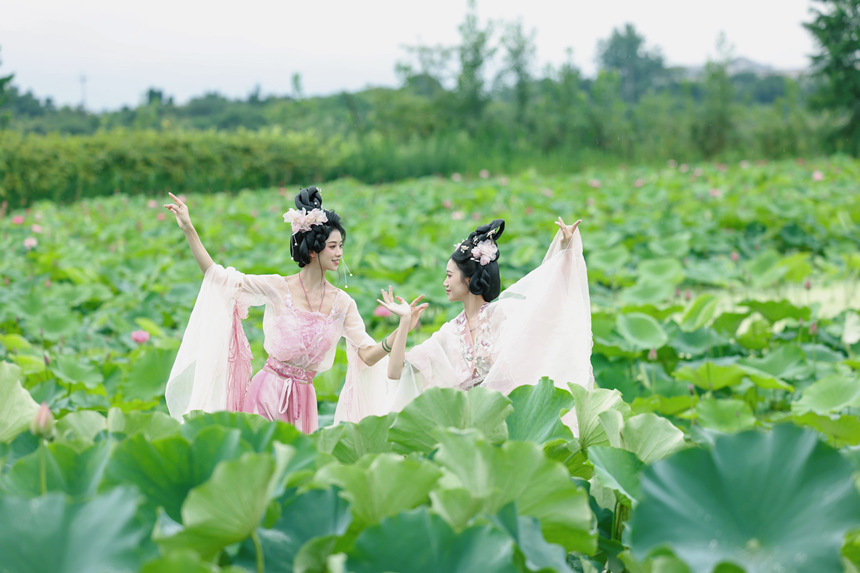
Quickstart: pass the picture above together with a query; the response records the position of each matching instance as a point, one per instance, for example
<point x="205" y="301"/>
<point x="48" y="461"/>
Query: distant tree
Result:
<point x="519" y="58"/>
<point x="298" y="92"/>
<point x="715" y="121"/>
<point x="638" y="68"/>
<point x="836" y="29"/>
<point x="5" y="84"/>
<point x="474" y="53"/>
<point x="432" y="72"/>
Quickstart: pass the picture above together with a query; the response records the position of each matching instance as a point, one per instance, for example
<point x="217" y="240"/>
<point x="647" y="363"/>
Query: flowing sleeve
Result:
<point x="366" y="390"/>
<point x="547" y="324"/>
<point x="213" y="364"/>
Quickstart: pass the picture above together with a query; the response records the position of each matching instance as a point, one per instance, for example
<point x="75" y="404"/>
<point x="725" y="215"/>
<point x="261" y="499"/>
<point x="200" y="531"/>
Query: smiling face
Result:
<point x="456" y="287"/>
<point x="329" y="257"/>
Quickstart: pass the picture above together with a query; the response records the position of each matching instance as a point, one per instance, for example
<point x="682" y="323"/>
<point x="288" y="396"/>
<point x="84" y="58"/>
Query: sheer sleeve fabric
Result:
<point x="366" y="390"/>
<point x="547" y="324"/>
<point x="200" y="377"/>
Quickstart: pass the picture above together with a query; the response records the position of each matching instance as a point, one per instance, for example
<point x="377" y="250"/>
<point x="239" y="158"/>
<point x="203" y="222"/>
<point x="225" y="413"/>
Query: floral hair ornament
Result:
<point x="303" y="220"/>
<point x="485" y="252"/>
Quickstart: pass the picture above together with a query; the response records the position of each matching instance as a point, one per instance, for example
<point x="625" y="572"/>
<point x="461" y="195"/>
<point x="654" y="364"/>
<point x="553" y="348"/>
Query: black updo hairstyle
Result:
<point x="305" y="242"/>
<point x="484" y="279"/>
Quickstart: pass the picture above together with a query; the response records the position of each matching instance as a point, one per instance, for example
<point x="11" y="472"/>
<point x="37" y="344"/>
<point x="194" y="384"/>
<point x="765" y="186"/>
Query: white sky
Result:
<point x="189" y="47"/>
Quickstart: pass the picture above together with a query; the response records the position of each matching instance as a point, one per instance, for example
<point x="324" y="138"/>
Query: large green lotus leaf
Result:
<point x="647" y="292"/>
<point x="711" y="375"/>
<point x="539" y="555"/>
<point x="728" y="322"/>
<point x="181" y="561"/>
<point x="725" y="415"/>
<point x="840" y="430"/>
<point x="700" y="313"/>
<point x="146" y="374"/>
<point x="774" y="310"/>
<point x="165" y="470"/>
<point x="676" y="246"/>
<point x="83" y="425"/>
<point x="537" y="413"/>
<point x="851" y="329"/>
<point x="485" y="410"/>
<point x="617" y="469"/>
<point x="829" y="395"/>
<point x="318" y="513"/>
<point x="661" y="271"/>
<point x="589" y="405"/>
<point x="641" y="330"/>
<point x="764" y="380"/>
<point x="77" y="370"/>
<point x="516" y="471"/>
<point x="50" y="534"/>
<point x="381" y="485"/>
<point x="391" y="546"/>
<point x="349" y="441"/>
<point x="764" y="270"/>
<point x="77" y="474"/>
<point x="610" y="259"/>
<point x="649" y="436"/>
<point x="228" y="507"/>
<point x="767" y="502"/>
<point x="787" y="361"/>
<point x="261" y="434"/>
<point x="17" y="407"/>
<point x="153" y="425"/>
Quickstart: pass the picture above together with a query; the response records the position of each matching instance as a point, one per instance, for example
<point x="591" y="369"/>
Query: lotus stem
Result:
<point x="258" y="548"/>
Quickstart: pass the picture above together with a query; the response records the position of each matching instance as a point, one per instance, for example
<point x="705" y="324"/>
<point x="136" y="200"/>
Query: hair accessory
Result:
<point x="303" y="220"/>
<point x="485" y="252"/>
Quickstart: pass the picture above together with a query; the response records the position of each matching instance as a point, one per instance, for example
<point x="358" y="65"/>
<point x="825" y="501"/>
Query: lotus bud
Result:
<point x="652" y="354"/>
<point x="42" y="425"/>
<point x="692" y="390"/>
<point x="687" y="294"/>
<point x="807" y="284"/>
<point x="813" y="328"/>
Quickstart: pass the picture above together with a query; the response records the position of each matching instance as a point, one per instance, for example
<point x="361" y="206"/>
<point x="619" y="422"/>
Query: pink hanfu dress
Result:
<point x="213" y="371"/>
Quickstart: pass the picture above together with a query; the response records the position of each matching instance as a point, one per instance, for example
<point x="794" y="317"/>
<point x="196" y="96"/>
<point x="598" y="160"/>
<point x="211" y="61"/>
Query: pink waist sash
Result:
<point x="291" y="374"/>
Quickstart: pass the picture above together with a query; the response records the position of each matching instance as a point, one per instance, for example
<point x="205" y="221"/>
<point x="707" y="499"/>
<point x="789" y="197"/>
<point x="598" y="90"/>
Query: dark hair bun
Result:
<point x="302" y="244"/>
<point x="484" y="280"/>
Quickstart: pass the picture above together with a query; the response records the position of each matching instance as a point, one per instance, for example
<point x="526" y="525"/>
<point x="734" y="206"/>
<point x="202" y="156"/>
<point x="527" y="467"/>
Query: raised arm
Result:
<point x="567" y="231"/>
<point x="409" y="314"/>
<point x="180" y="210"/>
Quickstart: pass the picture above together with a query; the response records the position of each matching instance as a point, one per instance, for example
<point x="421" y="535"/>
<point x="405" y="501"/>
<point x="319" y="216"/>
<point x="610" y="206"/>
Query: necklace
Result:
<point x="307" y="298"/>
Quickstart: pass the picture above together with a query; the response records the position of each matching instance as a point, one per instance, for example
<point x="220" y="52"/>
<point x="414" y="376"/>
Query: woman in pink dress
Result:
<point x="304" y="318"/>
<point x="539" y="326"/>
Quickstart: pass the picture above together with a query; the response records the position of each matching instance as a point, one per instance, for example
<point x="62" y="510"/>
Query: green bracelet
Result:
<point x="385" y="346"/>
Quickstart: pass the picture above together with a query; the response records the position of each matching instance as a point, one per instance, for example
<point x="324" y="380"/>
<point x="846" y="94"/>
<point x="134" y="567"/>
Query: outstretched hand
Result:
<point x="180" y="210"/>
<point x="401" y="308"/>
<point x="567" y="230"/>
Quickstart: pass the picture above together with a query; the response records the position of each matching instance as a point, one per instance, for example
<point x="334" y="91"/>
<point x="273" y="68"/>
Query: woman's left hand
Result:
<point x="567" y="230"/>
<point x="401" y="308"/>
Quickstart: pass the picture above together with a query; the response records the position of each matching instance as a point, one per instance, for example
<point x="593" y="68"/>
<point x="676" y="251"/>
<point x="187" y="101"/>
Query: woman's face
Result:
<point x="329" y="257"/>
<point x="455" y="287"/>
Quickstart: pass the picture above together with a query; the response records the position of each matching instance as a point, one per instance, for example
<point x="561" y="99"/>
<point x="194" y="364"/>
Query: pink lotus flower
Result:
<point x="484" y="173"/>
<point x="42" y="424"/>
<point x="813" y="328"/>
<point x="638" y="183"/>
<point x="30" y="243"/>
<point x="381" y="311"/>
<point x="745" y="164"/>
<point x="140" y="336"/>
<point x="456" y="177"/>
<point x="800" y="160"/>
<point x="698" y="171"/>
<point x="652" y="354"/>
<point x="447" y="203"/>
<point x="734" y="256"/>
<point x="687" y="294"/>
<point x="47" y="283"/>
<point x="529" y="210"/>
<point x="36" y="229"/>
<point x="590" y="201"/>
<point x="160" y="217"/>
<point x="17" y="220"/>
<point x="476" y="216"/>
<point x="807" y="284"/>
<point x="595" y="183"/>
<point x="684" y="168"/>
<point x="458" y="215"/>
<point x="152" y="204"/>
<point x="672" y="164"/>
<point x="547" y="192"/>
<point x="503" y="181"/>
<point x="817" y="175"/>
<point x="715" y="193"/>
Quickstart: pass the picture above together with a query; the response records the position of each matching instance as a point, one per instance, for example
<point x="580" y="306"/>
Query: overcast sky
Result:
<point x="189" y="47"/>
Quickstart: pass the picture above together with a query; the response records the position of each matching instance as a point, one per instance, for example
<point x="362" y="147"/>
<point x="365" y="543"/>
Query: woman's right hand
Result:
<point x="401" y="308"/>
<point x="180" y="210"/>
